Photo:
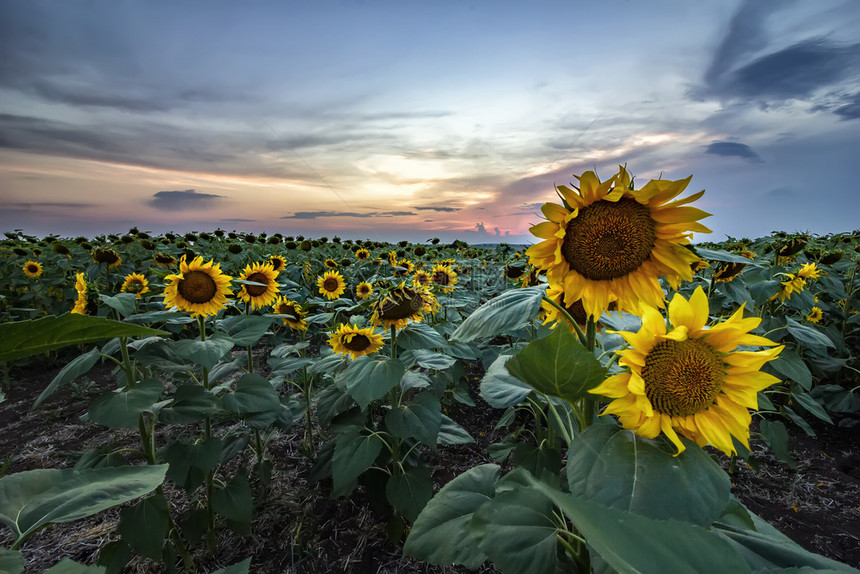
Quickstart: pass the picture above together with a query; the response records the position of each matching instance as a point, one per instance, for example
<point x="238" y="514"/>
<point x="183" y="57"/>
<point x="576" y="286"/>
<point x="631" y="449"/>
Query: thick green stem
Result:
<point x="127" y="365"/>
<point x="207" y="433"/>
<point x="579" y="334"/>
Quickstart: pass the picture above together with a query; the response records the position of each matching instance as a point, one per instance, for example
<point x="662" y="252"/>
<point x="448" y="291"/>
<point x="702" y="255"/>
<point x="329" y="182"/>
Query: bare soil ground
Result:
<point x="299" y="529"/>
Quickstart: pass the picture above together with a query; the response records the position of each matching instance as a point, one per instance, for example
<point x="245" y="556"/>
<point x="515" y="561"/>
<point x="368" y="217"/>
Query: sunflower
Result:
<point x="199" y="288"/>
<point x="330" y="263"/>
<point x="690" y="380"/>
<point x="362" y="254"/>
<point x="610" y="242"/>
<point x="294" y="314"/>
<point x="728" y="271"/>
<point x="402" y="304"/>
<point x="364" y="290"/>
<point x="354" y="341"/>
<point x="815" y="315"/>
<point x="87" y="302"/>
<point x="444" y="277"/>
<point x="32" y="268"/>
<point x="278" y="263"/>
<point x="164" y="259"/>
<point x="809" y="271"/>
<point x="258" y="296"/>
<point x="794" y="284"/>
<point x="107" y="256"/>
<point x="135" y="283"/>
<point x="331" y="284"/>
<point x="421" y="278"/>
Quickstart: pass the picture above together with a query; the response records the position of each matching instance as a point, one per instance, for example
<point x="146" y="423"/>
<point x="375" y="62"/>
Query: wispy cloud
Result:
<point x="734" y="149"/>
<point x="182" y="200"/>
<point x="435" y="208"/>
<point x="46" y="205"/>
<point x="318" y="214"/>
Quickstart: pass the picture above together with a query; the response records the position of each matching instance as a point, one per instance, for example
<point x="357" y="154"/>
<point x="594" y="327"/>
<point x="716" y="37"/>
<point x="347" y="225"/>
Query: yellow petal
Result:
<point x="653" y="320"/>
<point x="613" y="387"/>
<point x="666" y="426"/>
<point x="554" y="212"/>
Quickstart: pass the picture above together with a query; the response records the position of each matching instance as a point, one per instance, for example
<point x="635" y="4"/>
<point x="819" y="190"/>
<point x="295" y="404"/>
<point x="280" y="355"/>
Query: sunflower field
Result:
<point x="624" y="373"/>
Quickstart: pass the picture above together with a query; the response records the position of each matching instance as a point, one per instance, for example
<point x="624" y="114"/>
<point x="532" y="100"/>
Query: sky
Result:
<point x="412" y="119"/>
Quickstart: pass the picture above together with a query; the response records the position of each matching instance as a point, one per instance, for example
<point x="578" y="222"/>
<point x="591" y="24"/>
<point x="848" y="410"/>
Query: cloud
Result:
<point x="850" y="110"/>
<point x="182" y="200"/>
<point x="734" y="149"/>
<point x="435" y="208"/>
<point x="317" y="214"/>
<point x="27" y="205"/>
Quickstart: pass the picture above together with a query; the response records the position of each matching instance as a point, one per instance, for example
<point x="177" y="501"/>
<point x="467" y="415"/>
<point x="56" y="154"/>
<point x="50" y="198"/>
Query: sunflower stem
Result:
<point x="579" y="334"/>
<point x="207" y="433"/>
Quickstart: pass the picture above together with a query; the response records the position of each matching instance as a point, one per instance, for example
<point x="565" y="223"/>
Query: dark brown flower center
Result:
<point x="577" y="311"/>
<point x="682" y="378"/>
<point x="441" y="278"/>
<point x="33" y="268"/>
<point x="284" y="309"/>
<point x="363" y="289"/>
<point x="401" y="304"/>
<point x="257" y="290"/>
<point x="357" y="343"/>
<point x="197" y="287"/>
<point x="134" y="286"/>
<point x="609" y="239"/>
<point x="331" y="284"/>
<point x="277" y="264"/>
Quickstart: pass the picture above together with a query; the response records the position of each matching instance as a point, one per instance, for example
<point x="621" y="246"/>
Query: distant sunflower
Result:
<point x="107" y="256"/>
<point x="199" y="288"/>
<point x="444" y="277"/>
<point x="364" y="290"/>
<point x="690" y="380"/>
<point x="135" y="283"/>
<point x="259" y="296"/>
<point x="294" y="315"/>
<point x="727" y="271"/>
<point x="330" y="263"/>
<point x="331" y="285"/>
<point x="87" y="302"/>
<point x="362" y="254"/>
<point x="612" y="242"/>
<point x="32" y="269"/>
<point x="355" y="341"/>
<point x="809" y="271"/>
<point x="164" y="259"/>
<point x="278" y="262"/>
<point x="421" y="278"/>
<point x="815" y="315"/>
<point x="402" y="304"/>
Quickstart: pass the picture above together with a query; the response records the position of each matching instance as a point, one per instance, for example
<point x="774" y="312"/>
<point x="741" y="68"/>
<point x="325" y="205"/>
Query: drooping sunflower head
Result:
<point x="278" y="262"/>
<point x="355" y="341"/>
<point x="293" y="314"/>
<point x="199" y="288"/>
<point x="362" y="254"/>
<point x="32" y="269"/>
<point x="402" y="304"/>
<point x="727" y="271"/>
<point x="444" y="277"/>
<point x="107" y="256"/>
<point x="330" y="263"/>
<point x="258" y="296"/>
<point x="690" y="380"/>
<point x="364" y="290"/>
<point x="331" y="285"/>
<point x="164" y="259"/>
<point x="135" y="283"/>
<point x="612" y="242"/>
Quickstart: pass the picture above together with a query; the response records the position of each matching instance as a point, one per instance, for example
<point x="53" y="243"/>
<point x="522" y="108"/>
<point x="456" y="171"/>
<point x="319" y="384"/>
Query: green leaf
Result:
<point x="619" y="469"/>
<point x="24" y="338"/>
<point x="630" y="542"/>
<point x="204" y="353"/>
<point x="789" y="364"/>
<point x="440" y="534"/>
<point x="245" y="330"/>
<point x="332" y="401"/>
<point x="144" y="526"/>
<point x="191" y="404"/>
<point x="409" y="492"/>
<point x="558" y="366"/>
<point x="511" y="310"/>
<point x="721" y="255"/>
<point x="253" y="394"/>
<point x="353" y="454"/>
<point x="11" y="561"/>
<point x="69" y="566"/>
<point x="431" y="359"/>
<point x="114" y="556"/>
<point x="420" y="336"/>
<point x="808" y="335"/>
<point x="121" y="409"/>
<point x="191" y="463"/>
<point x="775" y="435"/>
<point x="369" y="379"/>
<point x="80" y="365"/>
<point x="32" y="499"/>
<point x="450" y="433"/>
<point x="517" y="531"/>
<point x="414" y="380"/>
<point x="234" y="501"/>
<point x="811" y="405"/>
<point x="237" y="568"/>
<point x="419" y="419"/>
<point x="171" y="317"/>
<point x="542" y="461"/>
<point x="122" y="303"/>
<point x="501" y="389"/>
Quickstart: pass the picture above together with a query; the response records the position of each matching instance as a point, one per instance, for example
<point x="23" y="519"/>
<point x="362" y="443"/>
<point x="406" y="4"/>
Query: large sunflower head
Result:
<point x="690" y="380"/>
<point x="443" y="276"/>
<point x="364" y="290"/>
<point x="331" y="285"/>
<point x="402" y="304"/>
<point x="32" y="269"/>
<point x="278" y="263"/>
<point x="135" y="283"/>
<point x="355" y="341"/>
<point x="294" y="315"/>
<point x="258" y="296"/>
<point x="199" y="288"/>
<point x="611" y="242"/>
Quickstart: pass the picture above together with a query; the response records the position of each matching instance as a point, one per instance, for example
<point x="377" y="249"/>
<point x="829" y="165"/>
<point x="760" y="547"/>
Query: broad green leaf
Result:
<point x="144" y="526"/>
<point x="288" y="365"/>
<point x="353" y="454"/>
<point x="78" y="366"/>
<point x="204" y="353"/>
<point x="511" y="310"/>
<point x="633" y="543"/>
<point x="122" y="408"/>
<point x="517" y="531"/>
<point x="245" y="330"/>
<point x="542" y="461"/>
<point x="332" y="401"/>
<point x="191" y="404"/>
<point x="253" y="394"/>
<point x="557" y="366"/>
<point x="113" y="556"/>
<point x="619" y="469"/>
<point x="775" y="435"/>
<point x="450" y="433"/>
<point x="431" y="359"/>
<point x="122" y="303"/>
<point x="11" y="561"/>
<point x="237" y="568"/>
<point x="811" y="405"/>
<point x="234" y="501"/>
<point x="369" y="379"/>
<point x="23" y="338"/>
<point x="721" y="255"/>
<point x="808" y="335"/>
<point x="501" y="389"/>
<point x="419" y="419"/>
<point x="420" y="336"/>
<point x="176" y="317"/>
<point x="328" y="363"/>
<point x="32" y="499"/>
<point x="790" y="365"/>
<point x="191" y="463"/>
<point x="409" y="492"/>
<point x="69" y="566"/>
<point x="440" y="534"/>
<point x="414" y="380"/>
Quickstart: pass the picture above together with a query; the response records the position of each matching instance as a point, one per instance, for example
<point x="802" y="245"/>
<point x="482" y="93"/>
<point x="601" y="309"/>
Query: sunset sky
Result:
<point x="413" y="119"/>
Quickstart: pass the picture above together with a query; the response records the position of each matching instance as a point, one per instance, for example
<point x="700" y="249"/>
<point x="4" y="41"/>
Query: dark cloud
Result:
<point x="734" y="149"/>
<point x="46" y="204"/>
<point x="850" y="109"/>
<point x="237" y="220"/>
<point x="435" y="208"/>
<point x="318" y="214"/>
<point x="182" y="200"/>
